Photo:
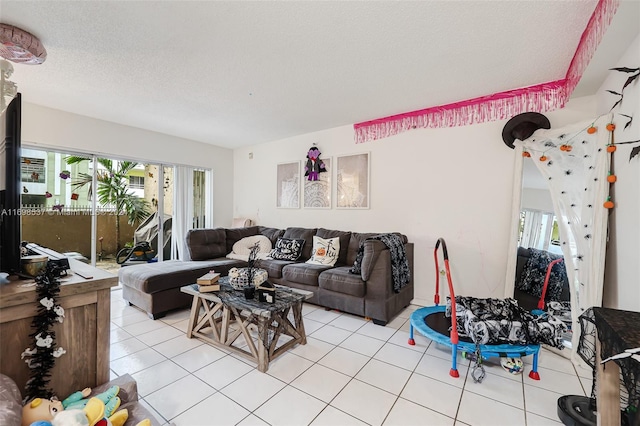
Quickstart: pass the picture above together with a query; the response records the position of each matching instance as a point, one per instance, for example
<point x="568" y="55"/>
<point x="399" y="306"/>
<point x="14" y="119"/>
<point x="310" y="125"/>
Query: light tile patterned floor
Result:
<point x="351" y="372"/>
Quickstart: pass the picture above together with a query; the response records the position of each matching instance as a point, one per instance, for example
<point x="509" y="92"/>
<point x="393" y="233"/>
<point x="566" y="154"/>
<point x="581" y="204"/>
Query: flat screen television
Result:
<point x="10" y="224"/>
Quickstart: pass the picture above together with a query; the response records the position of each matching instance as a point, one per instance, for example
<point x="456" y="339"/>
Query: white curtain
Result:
<point x="532" y="227"/>
<point x="183" y="211"/>
<point x="577" y="179"/>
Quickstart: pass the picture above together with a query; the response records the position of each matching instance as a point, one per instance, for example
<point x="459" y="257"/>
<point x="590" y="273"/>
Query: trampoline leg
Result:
<point x="454" y="361"/>
<point x="411" y="341"/>
<point x="533" y="374"/>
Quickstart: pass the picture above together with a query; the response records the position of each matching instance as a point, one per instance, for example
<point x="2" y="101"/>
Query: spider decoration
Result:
<point x="580" y="257"/>
<point x="587" y="237"/>
<point x="568" y="172"/>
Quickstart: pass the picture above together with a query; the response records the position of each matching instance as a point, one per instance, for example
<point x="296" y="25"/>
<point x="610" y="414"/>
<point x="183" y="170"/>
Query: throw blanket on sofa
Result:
<point x="399" y="263"/>
<point x="497" y="321"/>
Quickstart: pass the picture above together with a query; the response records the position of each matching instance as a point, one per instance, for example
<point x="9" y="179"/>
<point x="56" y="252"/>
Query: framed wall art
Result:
<point x="352" y="181"/>
<point x="288" y="185"/>
<point x="317" y="193"/>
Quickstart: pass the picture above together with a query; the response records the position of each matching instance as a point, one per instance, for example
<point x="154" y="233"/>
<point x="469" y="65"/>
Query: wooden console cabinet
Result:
<point x="84" y="334"/>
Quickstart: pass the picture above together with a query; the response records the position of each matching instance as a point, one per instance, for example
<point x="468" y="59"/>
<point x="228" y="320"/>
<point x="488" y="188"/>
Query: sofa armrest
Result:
<point x="381" y="301"/>
<point x="372" y="250"/>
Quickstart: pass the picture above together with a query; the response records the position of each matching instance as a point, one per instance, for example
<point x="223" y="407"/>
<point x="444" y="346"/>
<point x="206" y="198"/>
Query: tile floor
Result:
<point x="351" y="372"/>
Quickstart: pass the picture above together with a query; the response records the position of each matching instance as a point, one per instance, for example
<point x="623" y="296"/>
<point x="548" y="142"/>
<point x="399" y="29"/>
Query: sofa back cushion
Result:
<point x="236" y="234"/>
<point x="272" y="233"/>
<point x="357" y="239"/>
<point x="354" y="243"/>
<point x="206" y="244"/>
<point x="345" y="237"/>
<point x="305" y="234"/>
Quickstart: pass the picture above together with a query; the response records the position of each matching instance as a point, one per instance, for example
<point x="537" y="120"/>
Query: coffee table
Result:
<point x="226" y="315"/>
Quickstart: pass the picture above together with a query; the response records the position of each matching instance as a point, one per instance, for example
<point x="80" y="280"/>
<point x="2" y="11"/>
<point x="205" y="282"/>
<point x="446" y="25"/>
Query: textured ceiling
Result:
<point x="239" y="73"/>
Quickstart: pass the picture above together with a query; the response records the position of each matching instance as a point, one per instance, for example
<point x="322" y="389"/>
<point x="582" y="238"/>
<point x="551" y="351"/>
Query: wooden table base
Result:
<point x="221" y="325"/>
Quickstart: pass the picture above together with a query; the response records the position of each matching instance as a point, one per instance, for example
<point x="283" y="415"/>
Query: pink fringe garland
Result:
<point x="591" y="38"/>
<point x="542" y="97"/>
<point x="503" y="105"/>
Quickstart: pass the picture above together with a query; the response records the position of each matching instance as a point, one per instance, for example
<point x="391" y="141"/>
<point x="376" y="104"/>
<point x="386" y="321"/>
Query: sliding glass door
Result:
<point x="104" y="210"/>
<point x="55" y="213"/>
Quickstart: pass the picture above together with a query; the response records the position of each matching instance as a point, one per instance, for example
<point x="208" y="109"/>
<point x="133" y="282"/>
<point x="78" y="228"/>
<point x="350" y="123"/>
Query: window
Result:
<point x="136" y="182"/>
<point x="32" y="170"/>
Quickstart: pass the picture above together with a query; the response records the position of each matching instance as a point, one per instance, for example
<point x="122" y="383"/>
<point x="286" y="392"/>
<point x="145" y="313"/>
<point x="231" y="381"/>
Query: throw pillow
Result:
<point x="325" y="251"/>
<point x="242" y="247"/>
<point x="287" y="249"/>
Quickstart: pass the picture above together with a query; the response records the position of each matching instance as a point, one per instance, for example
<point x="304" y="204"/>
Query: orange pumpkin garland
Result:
<point x="611" y="127"/>
<point x="612" y="178"/>
<point x="591" y="130"/>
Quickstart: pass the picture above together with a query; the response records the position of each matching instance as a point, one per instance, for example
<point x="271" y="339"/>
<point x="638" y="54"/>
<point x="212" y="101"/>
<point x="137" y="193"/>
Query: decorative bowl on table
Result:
<point x="239" y="278"/>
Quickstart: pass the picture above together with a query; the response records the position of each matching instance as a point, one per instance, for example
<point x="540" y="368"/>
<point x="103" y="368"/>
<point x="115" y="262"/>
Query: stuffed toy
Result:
<point x="40" y="409"/>
<point x="314" y="164"/>
<point x="92" y="414"/>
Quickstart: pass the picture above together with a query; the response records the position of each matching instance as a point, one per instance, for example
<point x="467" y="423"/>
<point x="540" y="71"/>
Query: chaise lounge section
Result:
<point x="155" y="287"/>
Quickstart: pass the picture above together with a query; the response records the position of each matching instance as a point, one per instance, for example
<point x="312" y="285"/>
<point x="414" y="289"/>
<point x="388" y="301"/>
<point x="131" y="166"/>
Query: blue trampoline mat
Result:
<point x="502" y="350"/>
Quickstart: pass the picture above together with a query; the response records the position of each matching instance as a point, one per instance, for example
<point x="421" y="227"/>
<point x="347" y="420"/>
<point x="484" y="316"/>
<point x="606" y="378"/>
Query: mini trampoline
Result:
<point x="432" y="323"/>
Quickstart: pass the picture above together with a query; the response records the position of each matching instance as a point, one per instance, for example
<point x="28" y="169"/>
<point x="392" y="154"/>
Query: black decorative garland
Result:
<point x="41" y="357"/>
<point x="635" y="73"/>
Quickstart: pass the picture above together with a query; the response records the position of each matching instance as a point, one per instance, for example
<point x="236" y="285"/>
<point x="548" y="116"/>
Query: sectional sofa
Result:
<point x="155" y="287"/>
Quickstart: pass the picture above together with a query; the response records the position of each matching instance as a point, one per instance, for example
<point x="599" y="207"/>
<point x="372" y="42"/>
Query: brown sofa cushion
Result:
<point x="272" y="233"/>
<point x="154" y="277"/>
<point x="205" y="244"/>
<point x="341" y="280"/>
<point x="344" y="236"/>
<point x="354" y="243"/>
<point x="305" y="234"/>
<point x="236" y="234"/>
<point x="273" y="267"/>
<point x="303" y="273"/>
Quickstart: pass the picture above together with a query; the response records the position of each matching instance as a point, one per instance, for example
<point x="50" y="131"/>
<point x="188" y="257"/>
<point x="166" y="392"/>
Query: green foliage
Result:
<point x="113" y="188"/>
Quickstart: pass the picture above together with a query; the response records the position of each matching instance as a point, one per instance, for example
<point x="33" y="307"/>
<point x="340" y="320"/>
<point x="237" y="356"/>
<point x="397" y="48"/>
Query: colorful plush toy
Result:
<point x="314" y="164"/>
<point x="92" y="414"/>
<point x="40" y="409"/>
<point x="46" y="410"/>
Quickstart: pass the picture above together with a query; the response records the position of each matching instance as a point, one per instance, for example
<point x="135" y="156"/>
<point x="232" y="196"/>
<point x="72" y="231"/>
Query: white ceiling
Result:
<point x="239" y="73"/>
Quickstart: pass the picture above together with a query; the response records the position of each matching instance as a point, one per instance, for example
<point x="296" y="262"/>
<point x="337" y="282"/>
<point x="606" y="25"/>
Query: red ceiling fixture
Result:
<point x="21" y="47"/>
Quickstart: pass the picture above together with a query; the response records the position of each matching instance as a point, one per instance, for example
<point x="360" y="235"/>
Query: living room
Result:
<point x="426" y="183"/>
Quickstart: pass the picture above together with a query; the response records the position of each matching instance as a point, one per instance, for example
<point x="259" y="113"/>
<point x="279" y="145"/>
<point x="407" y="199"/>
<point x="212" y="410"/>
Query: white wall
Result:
<point x="621" y="289"/>
<point x="50" y="128"/>
<point x="536" y="199"/>
<point x="454" y="183"/>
